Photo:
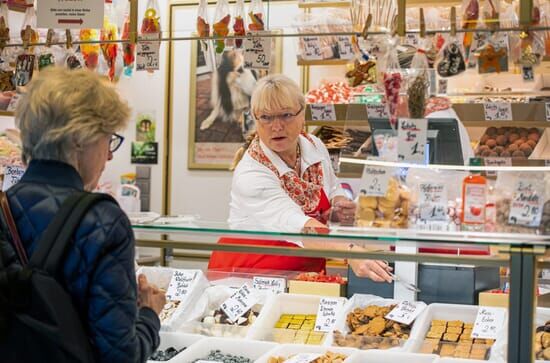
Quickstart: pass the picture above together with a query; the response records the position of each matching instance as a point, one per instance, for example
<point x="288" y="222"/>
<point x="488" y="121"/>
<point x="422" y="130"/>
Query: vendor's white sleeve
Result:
<point x="332" y="184"/>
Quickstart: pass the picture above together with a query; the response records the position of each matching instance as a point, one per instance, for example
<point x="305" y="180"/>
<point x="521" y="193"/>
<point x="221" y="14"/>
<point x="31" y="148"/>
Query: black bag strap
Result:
<point x="56" y="238"/>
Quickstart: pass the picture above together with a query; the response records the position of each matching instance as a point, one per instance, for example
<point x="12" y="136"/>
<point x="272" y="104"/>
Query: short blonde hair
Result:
<point x="276" y="92"/>
<point x="63" y="109"/>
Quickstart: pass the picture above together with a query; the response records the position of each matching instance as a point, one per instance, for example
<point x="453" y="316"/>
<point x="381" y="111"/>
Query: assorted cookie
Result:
<point x="542" y="342"/>
<point x="390" y="211"/>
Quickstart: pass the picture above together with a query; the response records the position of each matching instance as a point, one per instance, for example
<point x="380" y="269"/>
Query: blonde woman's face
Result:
<point x="279" y="130"/>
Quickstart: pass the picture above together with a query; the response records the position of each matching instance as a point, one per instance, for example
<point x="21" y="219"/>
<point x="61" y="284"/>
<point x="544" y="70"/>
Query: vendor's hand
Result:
<point x="343" y="210"/>
<point x="149" y="295"/>
<point x="373" y="269"/>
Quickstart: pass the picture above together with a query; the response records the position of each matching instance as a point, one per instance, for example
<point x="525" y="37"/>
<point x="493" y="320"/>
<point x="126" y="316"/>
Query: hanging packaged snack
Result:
<point x="90" y="52"/>
<point x="491" y="14"/>
<point x="470" y="18"/>
<point x="151" y="20"/>
<point x="109" y="33"/>
<point x="256" y="16"/>
<point x="24" y="69"/>
<point x="391" y="79"/>
<point x="128" y="49"/>
<point x="73" y="60"/>
<point x="531" y="42"/>
<point x="29" y="22"/>
<point x="46" y="57"/>
<point x="493" y="57"/>
<point x="361" y="72"/>
<point x="222" y="19"/>
<point x="203" y="22"/>
<point x="418" y="88"/>
<point x="4" y="23"/>
<point x="451" y="58"/>
<point x="239" y="27"/>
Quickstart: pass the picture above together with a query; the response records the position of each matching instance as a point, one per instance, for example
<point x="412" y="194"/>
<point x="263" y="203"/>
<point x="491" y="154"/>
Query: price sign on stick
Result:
<point x="327" y="313"/>
<point x="257" y="51"/>
<point x="377" y="110"/>
<point x="345" y="49"/>
<point x="239" y="303"/>
<point x="12" y="175"/>
<point x="147" y="52"/>
<point x="412" y="136"/>
<point x="322" y="112"/>
<point x="312" y="48"/>
<point x="375" y="180"/>
<point x="180" y="284"/>
<point x="405" y="312"/>
<point x="488" y="323"/>
<point x="497" y="111"/>
<point x="432" y="201"/>
<point x="527" y="204"/>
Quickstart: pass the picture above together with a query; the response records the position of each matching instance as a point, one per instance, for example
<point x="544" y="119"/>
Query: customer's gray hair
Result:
<point x="63" y="110"/>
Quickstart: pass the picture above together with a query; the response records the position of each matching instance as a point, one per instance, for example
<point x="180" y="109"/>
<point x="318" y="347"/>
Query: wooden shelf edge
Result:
<point x="7" y="113"/>
<point x="324" y="4"/>
<point x="323" y="62"/>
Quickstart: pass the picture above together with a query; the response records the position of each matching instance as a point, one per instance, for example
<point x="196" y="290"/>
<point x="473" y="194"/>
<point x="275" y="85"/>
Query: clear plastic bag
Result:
<point x="391" y="79"/>
<point x="470" y="16"/>
<point x="150" y="23"/>
<point x="128" y="49"/>
<point x="109" y="32"/>
<point x="451" y="59"/>
<point x="256" y="16"/>
<point x="222" y="19"/>
<point x="239" y="23"/>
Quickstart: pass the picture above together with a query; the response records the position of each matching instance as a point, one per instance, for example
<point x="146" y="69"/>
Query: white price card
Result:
<point x="239" y="303"/>
<point x="405" y="312"/>
<point x="527" y="203"/>
<point x="257" y="51"/>
<point x="489" y="322"/>
<point x="14" y="102"/>
<point x="377" y="110"/>
<point x="375" y="180"/>
<point x="276" y="285"/>
<point x="432" y="201"/>
<point x="497" y="111"/>
<point x="494" y="161"/>
<point x="303" y="358"/>
<point x="547" y="108"/>
<point x="442" y="85"/>
<point x="412" y="39"/>
<point x="345" y="49"/>
<point x="412" y="136"/>
<point x="147" y="52"/>
<point x="69" y="14"/>
<point x="327" y="313"/>
<point x="312" y="48"/>
<point x="12" y="175"/>
<point x="322" y="112"/>
<point x="180" y="284"/>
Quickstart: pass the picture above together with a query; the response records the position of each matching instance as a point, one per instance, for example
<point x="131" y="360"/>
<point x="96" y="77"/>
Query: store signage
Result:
<point x="147" y="52"/>
<point x="276" y="285"/>
<point x="411" y="140"/>
<point x="312" y="48"/>
<point x="405" y="312"/>
<point x="12" y="175"/>
<point x="442" y="86"/>
<point x="239" y="303"/>
<point x="547" y="108"/>
<point x="412" y="39"/>
<point x="377" y="110"/>
<point x="488" y="323"/>
<point x="345" y="48"/>
<point x="496" y="161"/>
<point x="303" y="358"/>
<point x="322" y="112"/>
<point x="257" y="52"/>
<point x="527" y="204"/>
<point x="14" y="102"/>
<point x="497" y="111"/>
<point x="180" y="285"/>
<point x="432" y="201"/>
<point x="75" y="14"/>
<point x="327" y="313"/>
<point x="375" y="180"/>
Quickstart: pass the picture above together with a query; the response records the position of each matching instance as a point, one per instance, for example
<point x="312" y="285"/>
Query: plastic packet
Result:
<point x="109" y="32"/>
<point x="491" y="13"/>
<point x="391" y="79"/>
<point x="90" y="52"/>
<point x="256" y="16"/>
<point x="493" y="57"/>
<point x="418" y="88"/>
<point x="24" y="68"/>
<point x="361" y="72"/>
<point x="451" y="57"/>
<point x="222" y="19"/>
<point x="470" y="18"/>
<point x="30" y="22"/>
<point x="203" y="22"/>
<point x="239" y="26"/>
<point x="128" y="49"/>
<point x="74" y="60"/>
<point x="150" y="23"/>
<point x="314" y="23"/>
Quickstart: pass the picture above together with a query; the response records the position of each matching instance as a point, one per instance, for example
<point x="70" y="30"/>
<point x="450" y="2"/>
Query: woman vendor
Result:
<point x="284" y="181"/>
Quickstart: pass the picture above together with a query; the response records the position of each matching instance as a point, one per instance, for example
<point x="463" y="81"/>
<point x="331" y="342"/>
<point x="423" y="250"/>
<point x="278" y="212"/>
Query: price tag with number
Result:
<point x="303" y="358"/>
<point x="377" y="110"/>
<point x="257" y="51"/>
<point x="147" y="52"/>
<point x="432" y="201"/>
<point x="497" y="111"/>
<point x="493" y="161"/>
<point x="527" y="203"/>
<point x="442" y="86"/>
<point x="312" y="48"/>
<point x="345" y="49"/>
<point x="239" y="303"/>
<point x="12" y="175"/>
<point x="375" y="180"/>
<point x="322" y="112"/>
<point x="180" y="284"/>
<point x="412" y="136"/>
<point x="405" y="312"/>
<point x="327" y="313"/>
<point x="547" y="108"/>
<point x="276" y="285"/>
<point x="489" y="322"/>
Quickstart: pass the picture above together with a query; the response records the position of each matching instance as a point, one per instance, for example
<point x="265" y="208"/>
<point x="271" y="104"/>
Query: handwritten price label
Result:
<point x="527" y="204"/>
<point x="312" y="48"/>
<point x="433" y="201"/>
<point x="412" y="136"/>
<point x="375" y="180"/>
<point x="405" y="312"/>
<point x="547" y="108"/>
<point x="345" y="49"/>
<point x="239" y="303"/>
<point x="257" y="51"/>
<point x="180" y="284"/>
<point x="377" y="110"/>
<point x="147" y="53"/>
<point x="12" y="175"/>
<point x="488" y="323"/>
<point x="492" y="161"/>
<point x="323" y="112"/>
<point x="442" y="85"/>
<point x="498" y="111"/>
<point x="327" y="313"/>
<point x="276" y="285"/>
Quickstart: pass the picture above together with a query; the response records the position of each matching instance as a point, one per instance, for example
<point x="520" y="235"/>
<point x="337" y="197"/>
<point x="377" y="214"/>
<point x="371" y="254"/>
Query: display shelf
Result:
<point x="7" y="113"/>
<point x="527" y="124"/>
<point x="324" y="4"/>
<point x="322" y="62"/>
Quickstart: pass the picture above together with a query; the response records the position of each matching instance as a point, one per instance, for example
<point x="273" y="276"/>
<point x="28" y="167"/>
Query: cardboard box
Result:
<point x="489" y="298"/>
<point x="316" y="288"/>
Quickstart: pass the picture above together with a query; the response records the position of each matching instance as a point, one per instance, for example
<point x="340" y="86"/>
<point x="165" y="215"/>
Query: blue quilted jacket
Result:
<point x="99" y="269"/>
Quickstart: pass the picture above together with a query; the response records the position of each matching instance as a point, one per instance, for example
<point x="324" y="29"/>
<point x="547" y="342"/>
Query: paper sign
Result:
<point x="488" y="323"/>
<point x="377" y="110"/>
<point x="12" y="175"/>
<point x="322" y="112"/>
<point x="442" y="86"/>
<point x="527" y="203"/>
<point x="411" y="140"/>
<point x="327" y="313"/>
<point x="180" y="284"/>
<point x="433" y="201"/>
<point x="412" y="39"/>
<point x="345" y="49"/>
<point x="405" y="312"/>
<point x="147" y="52"/>
<point x="69" y="14"/>
<point x="493" y="161"/>
<point x="312" y="48"/>
<point x="375" y="180"/>
<point x="547" y="107"/>
<point x="13" y="102"/>
<point x="239" y="303"/>
<point x="303" y="358"/>
<point x="257" y="52"/>
<point x="498" y="111"/>
<point x="276" y="285"/>
<point x="528" y="73"/>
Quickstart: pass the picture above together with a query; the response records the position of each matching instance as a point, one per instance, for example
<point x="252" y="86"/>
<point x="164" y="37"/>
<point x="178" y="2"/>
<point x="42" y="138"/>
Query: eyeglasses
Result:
<point x="116" y="141"/>
<point x="284" y="117"/>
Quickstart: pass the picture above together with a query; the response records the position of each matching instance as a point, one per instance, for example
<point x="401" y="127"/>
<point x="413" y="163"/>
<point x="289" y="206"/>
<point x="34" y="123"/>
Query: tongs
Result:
<point x="407" y="285"/>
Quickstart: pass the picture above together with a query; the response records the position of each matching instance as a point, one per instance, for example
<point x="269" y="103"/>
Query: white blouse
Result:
<point x="259" y="201"/>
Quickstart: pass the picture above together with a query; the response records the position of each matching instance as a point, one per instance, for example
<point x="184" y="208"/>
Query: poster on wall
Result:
<point x="146" y="126"/>
<point x="220" y="118"/>
<point x="144" y="152"/>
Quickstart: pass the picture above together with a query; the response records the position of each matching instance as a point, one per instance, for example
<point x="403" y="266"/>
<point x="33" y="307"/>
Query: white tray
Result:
<point x="386" y="356"/>
<point x="465" y="313"/>
<point x="176" y="340"/>
<point x="287" y="350"/>
<point x="247" y="348"/>
<point x="458" y="360"/>
<point x="542" y="316"/>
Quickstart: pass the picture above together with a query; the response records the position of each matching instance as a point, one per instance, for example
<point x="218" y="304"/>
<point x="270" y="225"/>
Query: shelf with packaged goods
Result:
<point x="322" y="62"/>
<point x="324" y="4"/>
<point x="7" y="113"/>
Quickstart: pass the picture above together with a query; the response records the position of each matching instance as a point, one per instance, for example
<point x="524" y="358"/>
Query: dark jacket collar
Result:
<point x="54" y="173"/>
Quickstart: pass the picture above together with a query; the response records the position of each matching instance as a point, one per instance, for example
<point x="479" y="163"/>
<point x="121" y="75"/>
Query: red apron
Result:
<point x="229" y="260"/>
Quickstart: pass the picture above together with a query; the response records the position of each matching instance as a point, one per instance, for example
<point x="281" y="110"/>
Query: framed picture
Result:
<point x="219" y="116"/>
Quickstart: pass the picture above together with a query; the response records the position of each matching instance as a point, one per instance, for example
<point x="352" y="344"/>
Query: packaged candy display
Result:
<point x="493" y="59"/>
<point x="335" y="93"/>
<point x="239" y="27"/>
<point x="29" y="22"/>
<point x="542" y="342"/>
<point x="24" y="69"/>
<point x="453" y="339"/>
<point x="320" y="277"/>
<point x="256" y="16"/>
<point x="203" y="22"/>
<point x="6" y="81"/>
<point x="109" y="32"/>
<point x="491" y="11"/>
<point x="73" y="60"/>
<point x="514" y="142"/>
<point x="219" y="317"/>
<point x="297" y="329"/>
<point x="165" y="355"/>
<point x="45" y="59"/>
<point x="128" y="49"/>
<point x="328" y="357"/>
<point x="222" y="19"/>
<point x="435" y="104"/>
<point x="90" y="52"/>
<point x="219" y="356"/>
<point x="452" y="60"/>
<point x="10" y="149"/>
<point x="362" y="72"/>
<point x="151" y="20"/>
<point x="469" y="21"/>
